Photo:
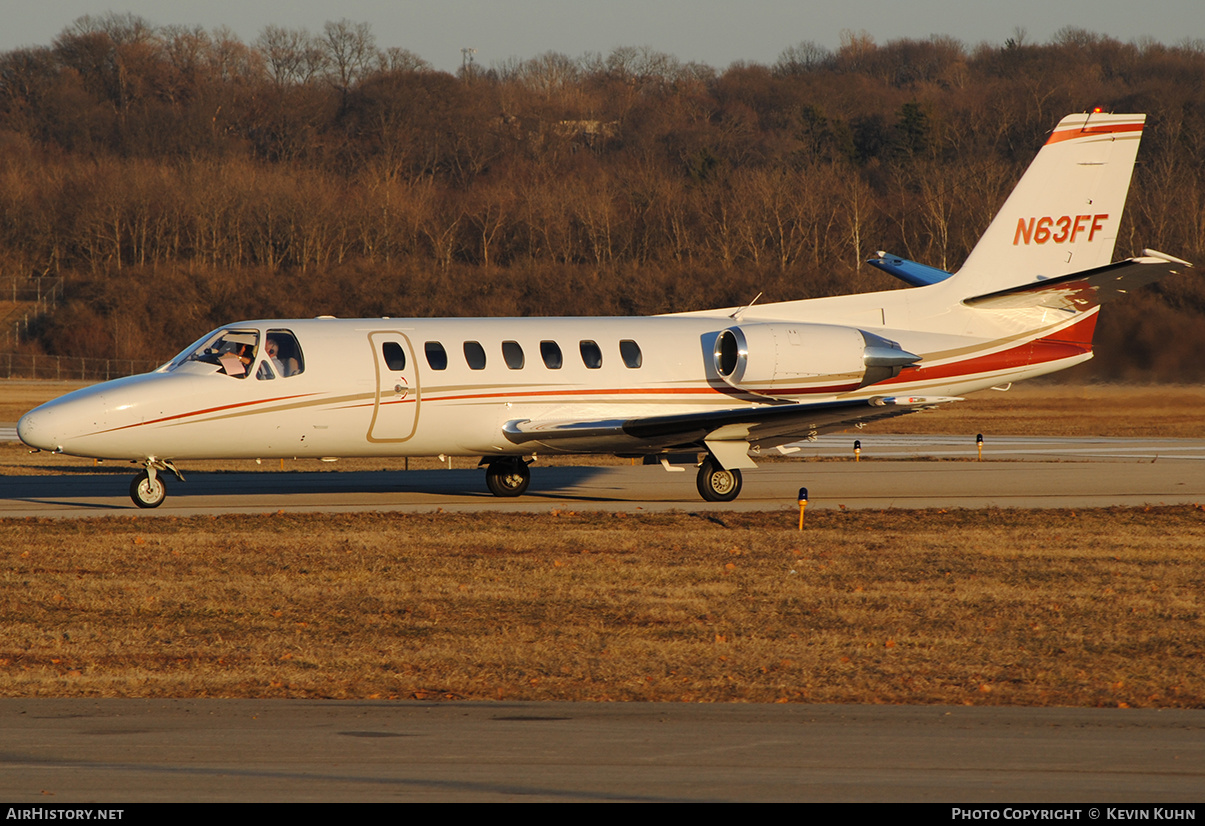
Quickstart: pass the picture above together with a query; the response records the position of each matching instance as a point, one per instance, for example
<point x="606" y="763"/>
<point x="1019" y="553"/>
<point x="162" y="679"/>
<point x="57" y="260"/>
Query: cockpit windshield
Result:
<point x="231" y="351"/>
<point x="234" y="352"/>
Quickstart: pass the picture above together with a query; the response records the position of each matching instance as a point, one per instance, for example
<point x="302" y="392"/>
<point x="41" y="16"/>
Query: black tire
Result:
<point x="507" y="477"/>
<point x="716" y="484"/>
<point x="148" y="494"/>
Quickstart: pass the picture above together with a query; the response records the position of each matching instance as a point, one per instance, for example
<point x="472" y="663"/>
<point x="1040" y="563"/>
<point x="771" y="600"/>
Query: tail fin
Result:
<point x="1063" y="216"/>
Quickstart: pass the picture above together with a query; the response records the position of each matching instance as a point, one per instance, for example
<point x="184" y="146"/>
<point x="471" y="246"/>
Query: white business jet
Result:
<point x="718" y="383"/>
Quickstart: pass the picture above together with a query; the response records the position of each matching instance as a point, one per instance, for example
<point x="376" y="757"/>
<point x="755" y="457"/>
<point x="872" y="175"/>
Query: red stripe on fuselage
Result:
<point x="206" y="410"/>
<point x="1068" y="342"/>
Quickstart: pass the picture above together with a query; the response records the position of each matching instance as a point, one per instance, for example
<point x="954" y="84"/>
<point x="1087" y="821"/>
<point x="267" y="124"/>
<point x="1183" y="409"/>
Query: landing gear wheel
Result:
<point x="507" y="477"/>
<point x="716" y="484"/>
<point x="147" y="492"/>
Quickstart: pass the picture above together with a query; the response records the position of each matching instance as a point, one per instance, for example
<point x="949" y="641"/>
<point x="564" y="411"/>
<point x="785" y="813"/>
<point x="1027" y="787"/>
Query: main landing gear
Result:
<point x="507" y="476"/>
<point x="147" y="488"/>
<point x="716" y="484"/>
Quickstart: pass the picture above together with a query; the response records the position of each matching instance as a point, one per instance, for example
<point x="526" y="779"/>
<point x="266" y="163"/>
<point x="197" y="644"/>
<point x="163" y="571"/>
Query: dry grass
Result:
<point x="1047" y="409"/>
<point x="19" y="396"/>
<point x="1095" y="608"/>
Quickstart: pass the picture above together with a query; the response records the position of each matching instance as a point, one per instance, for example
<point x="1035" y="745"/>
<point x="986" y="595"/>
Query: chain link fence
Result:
<point x="69" y="368"/>
<point x="24" y="299"/>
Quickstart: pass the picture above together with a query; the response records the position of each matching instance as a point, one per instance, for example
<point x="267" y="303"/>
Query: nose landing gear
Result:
<point x="147" y="488"/>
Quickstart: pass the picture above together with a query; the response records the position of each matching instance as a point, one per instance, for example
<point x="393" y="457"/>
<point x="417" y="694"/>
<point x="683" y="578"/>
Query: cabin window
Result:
<point x="591" y="354"/>
<point x="512" y="354"/>
<point x="437" y="356"/>
<point x="474" y="354"/>
<point x="282" y="349"/>
<point x="630" y="351"/>
<point x="550" y="351"/>
<point x="395" y="356"/>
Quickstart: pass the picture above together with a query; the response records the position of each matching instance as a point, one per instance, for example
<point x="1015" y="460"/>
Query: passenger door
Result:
<point x="398" y="394"/>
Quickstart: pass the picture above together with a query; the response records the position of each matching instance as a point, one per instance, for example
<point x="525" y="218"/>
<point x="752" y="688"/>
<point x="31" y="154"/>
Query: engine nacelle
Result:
<point x="781" y="359"/>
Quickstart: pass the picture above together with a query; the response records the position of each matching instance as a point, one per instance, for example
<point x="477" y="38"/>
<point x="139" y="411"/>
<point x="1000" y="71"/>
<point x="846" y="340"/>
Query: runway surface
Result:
<point x="1004" y="447"/>
<point x="926" y="472"/>
<point x="54" y="752"/>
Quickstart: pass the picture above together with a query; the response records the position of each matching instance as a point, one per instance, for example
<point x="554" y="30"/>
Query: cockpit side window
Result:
<point x="282" y="349"/>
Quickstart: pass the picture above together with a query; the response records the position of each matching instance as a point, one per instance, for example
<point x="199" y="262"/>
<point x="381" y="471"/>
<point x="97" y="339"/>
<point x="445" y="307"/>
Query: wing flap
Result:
<point x="761" y="426"/>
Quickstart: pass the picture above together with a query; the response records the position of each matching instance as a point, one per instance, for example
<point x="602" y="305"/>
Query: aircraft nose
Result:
<point x="66" y="423"/>
<point x="31" y="429"/>
<point x="57" y="424"/>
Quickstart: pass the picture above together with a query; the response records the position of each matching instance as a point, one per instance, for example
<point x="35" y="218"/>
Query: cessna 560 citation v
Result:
<point x="722" y="383"/>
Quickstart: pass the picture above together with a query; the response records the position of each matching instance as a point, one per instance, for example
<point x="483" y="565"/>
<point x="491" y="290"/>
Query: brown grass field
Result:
<point x="1094" y="608"/>
<point x="1089" y="608"/>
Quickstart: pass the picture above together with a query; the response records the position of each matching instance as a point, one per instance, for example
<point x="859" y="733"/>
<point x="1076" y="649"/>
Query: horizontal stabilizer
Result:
<point x="1084" y="290"/>
<point x="910" y="272"/>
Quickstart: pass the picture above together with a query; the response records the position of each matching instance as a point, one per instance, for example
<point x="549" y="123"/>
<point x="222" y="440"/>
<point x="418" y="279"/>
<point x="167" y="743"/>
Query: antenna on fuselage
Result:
<point x="741" y="310"/>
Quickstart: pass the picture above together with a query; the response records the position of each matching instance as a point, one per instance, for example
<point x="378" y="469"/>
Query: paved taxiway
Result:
<point x="1073" y="473"/>
<point x="53" y="752"/>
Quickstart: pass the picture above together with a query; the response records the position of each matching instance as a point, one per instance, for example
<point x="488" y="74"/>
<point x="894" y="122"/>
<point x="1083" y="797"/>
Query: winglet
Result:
<point x="910" y="272"/>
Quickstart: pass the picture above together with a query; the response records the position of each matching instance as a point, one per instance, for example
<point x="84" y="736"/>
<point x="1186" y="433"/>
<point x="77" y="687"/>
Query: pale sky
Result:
<point x="716" y="32"/>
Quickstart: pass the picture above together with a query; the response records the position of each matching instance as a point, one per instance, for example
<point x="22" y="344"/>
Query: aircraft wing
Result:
<point x="1084" y="290"/>
<point x="912" y="273"/>
<point x="730" y="432"/>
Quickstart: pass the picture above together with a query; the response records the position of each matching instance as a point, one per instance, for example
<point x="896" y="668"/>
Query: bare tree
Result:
<point x="351" y="53"/>
<point x="395" y="59"/>
<point x="802" y="58"/>
<point x="292" y="55"/>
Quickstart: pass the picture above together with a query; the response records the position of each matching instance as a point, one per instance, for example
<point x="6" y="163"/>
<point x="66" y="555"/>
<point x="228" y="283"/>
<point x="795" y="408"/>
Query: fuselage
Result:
<point x="414" y="387"/>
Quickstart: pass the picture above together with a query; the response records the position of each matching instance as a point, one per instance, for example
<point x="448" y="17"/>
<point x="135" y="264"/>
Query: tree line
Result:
<point x="179" y="178"/>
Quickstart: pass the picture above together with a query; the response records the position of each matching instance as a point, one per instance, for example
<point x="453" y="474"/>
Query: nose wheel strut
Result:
<point x="147" y="488"/>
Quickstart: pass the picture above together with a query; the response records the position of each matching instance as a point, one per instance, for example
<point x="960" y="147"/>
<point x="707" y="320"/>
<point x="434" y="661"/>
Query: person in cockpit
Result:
<point x="285" y="364"/>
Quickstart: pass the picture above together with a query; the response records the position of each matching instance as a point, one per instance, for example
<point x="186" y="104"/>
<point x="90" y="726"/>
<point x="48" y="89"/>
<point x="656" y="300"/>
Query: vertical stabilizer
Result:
<point x="1064" y="214"/>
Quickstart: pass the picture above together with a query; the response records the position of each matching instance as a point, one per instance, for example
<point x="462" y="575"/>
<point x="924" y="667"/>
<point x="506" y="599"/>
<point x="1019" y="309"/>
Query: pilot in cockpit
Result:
<point x="235" y="353"/>
<point x="284" y="363"/>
